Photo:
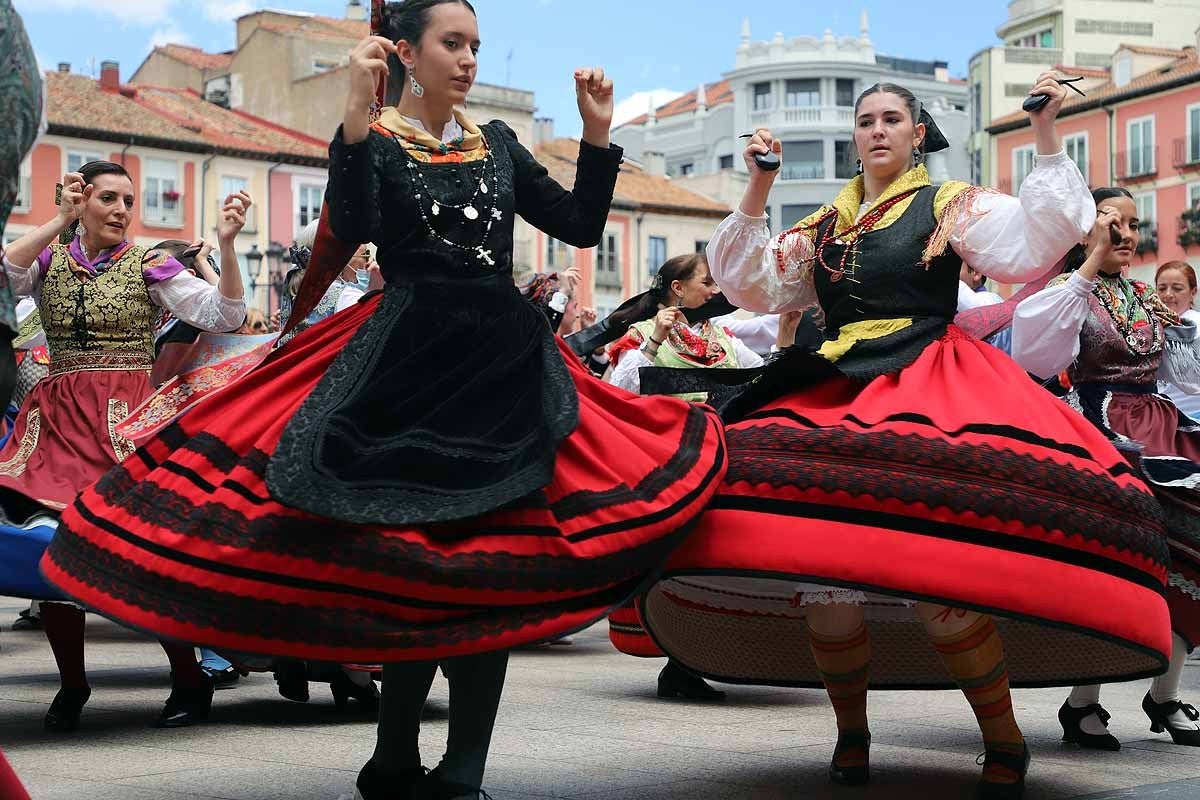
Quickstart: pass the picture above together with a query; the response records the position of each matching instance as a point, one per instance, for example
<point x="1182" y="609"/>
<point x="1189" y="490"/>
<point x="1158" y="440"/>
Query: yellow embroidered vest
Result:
<point x="105" y="322"/>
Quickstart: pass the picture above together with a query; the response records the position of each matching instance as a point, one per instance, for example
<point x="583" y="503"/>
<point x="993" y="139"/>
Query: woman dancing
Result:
<point x="429" y="475"/>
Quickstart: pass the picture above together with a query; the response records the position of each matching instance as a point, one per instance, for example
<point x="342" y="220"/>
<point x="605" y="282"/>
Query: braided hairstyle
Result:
<point x="406" y="20"/>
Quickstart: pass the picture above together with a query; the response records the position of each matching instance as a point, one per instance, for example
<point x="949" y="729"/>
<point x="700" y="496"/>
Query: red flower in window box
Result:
<point x="170" y="195"/>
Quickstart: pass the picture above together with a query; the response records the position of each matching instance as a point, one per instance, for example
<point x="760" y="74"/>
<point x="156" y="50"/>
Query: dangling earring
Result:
<point x="417" y="89"/>
<point x="858" y="166"/>
<point x="80" y="231"/>
<point x="917" y="157"/>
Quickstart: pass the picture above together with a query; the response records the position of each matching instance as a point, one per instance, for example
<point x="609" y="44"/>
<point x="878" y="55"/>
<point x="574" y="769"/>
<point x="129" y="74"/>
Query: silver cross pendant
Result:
<point x="484" y="255"/>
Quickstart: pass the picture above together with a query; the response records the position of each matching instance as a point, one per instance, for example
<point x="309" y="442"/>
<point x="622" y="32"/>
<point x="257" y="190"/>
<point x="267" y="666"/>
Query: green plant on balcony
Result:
<point x="1189" y="227"/>
<point x="1148" y="241"/>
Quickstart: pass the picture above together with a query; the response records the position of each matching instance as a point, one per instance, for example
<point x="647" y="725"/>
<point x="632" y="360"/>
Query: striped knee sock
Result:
<point x="844" y="662"/>
<point x="975" y="657"/>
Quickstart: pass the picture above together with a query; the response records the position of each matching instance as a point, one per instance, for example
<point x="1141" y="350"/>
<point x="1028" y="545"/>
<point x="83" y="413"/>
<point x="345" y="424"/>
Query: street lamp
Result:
<point x="253" y="265"/>
<point x="276" y="273"/>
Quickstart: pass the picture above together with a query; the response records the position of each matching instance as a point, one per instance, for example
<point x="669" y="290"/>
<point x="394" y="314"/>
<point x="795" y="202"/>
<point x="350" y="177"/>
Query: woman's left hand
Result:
<point x="594" y="94"/>
<point x="233" y="216"/>
<point x="1048" y="85"/>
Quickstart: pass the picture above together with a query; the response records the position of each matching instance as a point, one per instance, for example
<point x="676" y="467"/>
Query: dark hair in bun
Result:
<point x="408" y="21"/>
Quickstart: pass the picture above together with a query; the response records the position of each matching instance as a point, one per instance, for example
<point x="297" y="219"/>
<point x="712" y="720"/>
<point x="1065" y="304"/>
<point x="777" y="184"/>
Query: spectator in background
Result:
<point x="1175" y="282"/>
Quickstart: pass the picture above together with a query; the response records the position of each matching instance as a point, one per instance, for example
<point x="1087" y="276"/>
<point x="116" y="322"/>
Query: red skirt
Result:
<point x="185" y="540"/>
<point x="65" y="435"/>
<point x="956" y="481"/>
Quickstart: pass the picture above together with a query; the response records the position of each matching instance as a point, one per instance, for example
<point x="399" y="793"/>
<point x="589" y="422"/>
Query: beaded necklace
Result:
<point x="468" y="209"/>
<point x="1129" y="313"/>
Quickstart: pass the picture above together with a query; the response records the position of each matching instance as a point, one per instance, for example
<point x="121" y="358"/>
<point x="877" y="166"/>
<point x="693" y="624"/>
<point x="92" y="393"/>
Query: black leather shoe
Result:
<point x="64" y="711"/>
<point x="675" y="681"/>
<point x="441" y="789"/>
<point x="1070" y="718"/>
<point x="376" y="784"/>
<point x="223" y="678"/>
<point x="27" y="622"/>
<point x="989" y="790"/>
<point x="291" y="676"/>
<point x="851" y="776"/>
<point x="185" y="707"/>
<point x="1160" y="713"/>
<point x="343" y="689"/>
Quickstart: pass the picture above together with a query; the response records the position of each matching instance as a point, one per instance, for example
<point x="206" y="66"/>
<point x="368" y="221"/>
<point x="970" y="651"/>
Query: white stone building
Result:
<point x="803" y="89"/>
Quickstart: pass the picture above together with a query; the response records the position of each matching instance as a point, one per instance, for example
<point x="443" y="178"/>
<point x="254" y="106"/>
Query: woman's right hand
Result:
<point x="664" y="321"/>
<point x="761" y="143"/>
<point x="74" y="198"/>
<point x="368" y="64"/>
<point x="1103" y="244"/>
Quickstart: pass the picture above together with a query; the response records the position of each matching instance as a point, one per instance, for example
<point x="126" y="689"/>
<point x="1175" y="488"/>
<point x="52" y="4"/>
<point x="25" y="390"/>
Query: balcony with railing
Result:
<point x="1048" y="56"/>
<point x="805" y="116"/>
<point x="802" y="171"/>
<point x="1189" y="228"/>
<point x="1147" y="238"/>
<point x="1185" y="152"/>
<point x="1133" y="165"/>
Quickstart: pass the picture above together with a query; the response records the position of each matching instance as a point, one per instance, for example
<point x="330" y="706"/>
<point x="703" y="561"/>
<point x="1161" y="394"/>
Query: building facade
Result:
<point x="184" y="156"/>
<point x="804" y="90"/>
<point x="652" y="218"/>
<point x="1140" y="130"/>
<point x="1076" y="36"/>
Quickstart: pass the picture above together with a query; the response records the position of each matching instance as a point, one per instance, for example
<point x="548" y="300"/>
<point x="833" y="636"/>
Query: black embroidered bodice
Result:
<point x="452" y="398"/>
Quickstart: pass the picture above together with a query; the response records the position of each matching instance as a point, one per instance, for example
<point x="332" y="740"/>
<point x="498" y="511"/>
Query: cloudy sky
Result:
<point x="648" y="46"/>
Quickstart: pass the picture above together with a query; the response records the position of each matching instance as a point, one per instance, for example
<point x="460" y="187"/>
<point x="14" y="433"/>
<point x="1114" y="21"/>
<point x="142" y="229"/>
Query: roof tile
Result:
<point x="634" y="185"/>
<point x="715" y="94"/>
<point x="196" y="57"/>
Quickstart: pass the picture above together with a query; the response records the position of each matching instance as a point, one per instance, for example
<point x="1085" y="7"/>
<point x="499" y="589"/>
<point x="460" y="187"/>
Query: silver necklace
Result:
<point x="468" y="209"/>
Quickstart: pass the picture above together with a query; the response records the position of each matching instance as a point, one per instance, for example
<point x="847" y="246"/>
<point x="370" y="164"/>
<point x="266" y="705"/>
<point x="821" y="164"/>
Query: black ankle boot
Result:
<point x="851" y="776"/>
<point x="185" y="707"/>
<point x="64" y="711"/>
<point x="291" y="676"/>
<point x="1070" y="718"/>
<point x="343" y="689"/>
<point x="1160" y="713"/>
<point x="441" y="789"/>
<point x="675" y="681"/>
<point x="990" y="790"/>
<point x="377" y="784"/>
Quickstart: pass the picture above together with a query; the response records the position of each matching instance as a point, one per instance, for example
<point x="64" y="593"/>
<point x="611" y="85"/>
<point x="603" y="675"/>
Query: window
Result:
<point x="843" y="159"/>
<point x="324" y="65"/>
<point x="77" y="158"/>
<point x="803" y="93"/>
<point x="803" y="160"/>
<point x="1022" y="166"/>
<point x="687" y="169"/>
<point x="1123" y="70"/>
<point x="762" y="96"/>
<point x="794" y="213"/>
<point x="162" y="203"/>
<point x="1147" y="211"/>
<point x="1193" y="195"/>
<point x="844" y="91"/>
<point x="24" y="201"/>
<point x="558" y="254"/>
<point x="976" y="106"/>
<point x="977" y="167"/>
<point x="232" y="184"/>
<point x="1140" y="141"/>
<point x="656" y="254"/>
<point x="309" y="197"/>
<point x="725" y="162"/>
<point x="1193" y="134"/>
<point x="1077" y="150"/>
<point x="608" y="261"/>
<point x="1046" y="39"/>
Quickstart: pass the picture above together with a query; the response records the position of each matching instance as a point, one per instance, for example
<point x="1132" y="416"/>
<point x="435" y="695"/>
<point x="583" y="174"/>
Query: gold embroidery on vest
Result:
<point x="15" y="466"/>
<point x="118" y="410"/>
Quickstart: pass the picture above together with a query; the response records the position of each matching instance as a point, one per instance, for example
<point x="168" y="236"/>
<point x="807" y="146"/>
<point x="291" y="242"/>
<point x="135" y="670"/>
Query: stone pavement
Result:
<point x="576" y="722"/>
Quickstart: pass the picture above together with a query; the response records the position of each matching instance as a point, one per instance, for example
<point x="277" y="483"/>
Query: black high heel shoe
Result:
<point x="376" y="784"/>
<point x="1070" y="718"/>
<point x="675" y="681"/>
<point x="343" y="689"/>
<point x="989" y="790"/>
<point x="185" y="707"/>
<point x="439" y="788"/>
<point x="64" y="711"/>
<point x="1160" y="713"/>
<point x="851" y="776"/>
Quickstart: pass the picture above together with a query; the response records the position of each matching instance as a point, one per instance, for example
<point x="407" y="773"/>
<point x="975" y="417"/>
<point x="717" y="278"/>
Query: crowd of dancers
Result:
<point x="432" y="466"/>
